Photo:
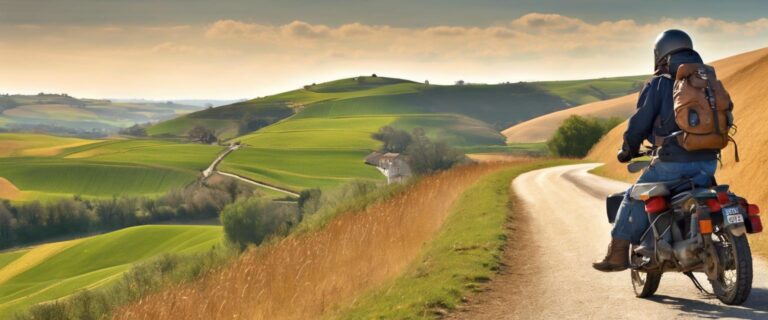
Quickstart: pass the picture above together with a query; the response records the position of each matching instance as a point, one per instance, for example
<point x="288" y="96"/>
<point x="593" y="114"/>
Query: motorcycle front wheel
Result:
<point x="734" y="282"/>
<point x="645" y="283"/>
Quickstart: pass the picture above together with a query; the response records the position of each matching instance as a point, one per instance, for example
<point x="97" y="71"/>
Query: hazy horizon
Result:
<point x="237" y="50"/>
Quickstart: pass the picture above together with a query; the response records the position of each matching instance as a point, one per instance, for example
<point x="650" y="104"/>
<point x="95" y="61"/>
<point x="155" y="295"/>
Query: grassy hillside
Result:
<point x="297" y="169"/>
<point x="16" y="145"/>
<point x="542" y="128"/>
<point x="497" y="105"/>
<point x="91" y="262"/>
<point x="329" y="124"/>
<point x="744" y="76"/>
<point x="44" y="167"/>
<point x="63" y="111"/>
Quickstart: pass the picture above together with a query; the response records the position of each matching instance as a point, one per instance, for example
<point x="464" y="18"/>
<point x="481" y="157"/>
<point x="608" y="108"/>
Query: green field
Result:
<point x="337" y="117"/>
<point x="83" y="114"/>
<point x="47" y="167"/>
<point x="299" y="169"/>
<point x="498" y="105"/>
<point x="90" y="178"/>
<point x="96" y="261"/>
<point x="26" y="144"/>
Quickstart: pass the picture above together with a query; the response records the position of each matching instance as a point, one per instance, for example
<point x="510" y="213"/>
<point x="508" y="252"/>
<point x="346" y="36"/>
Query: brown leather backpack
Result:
<point x="703" y="109"/>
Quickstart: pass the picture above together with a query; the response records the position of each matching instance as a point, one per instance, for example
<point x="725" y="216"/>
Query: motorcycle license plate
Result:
<point x="732" y="215"/>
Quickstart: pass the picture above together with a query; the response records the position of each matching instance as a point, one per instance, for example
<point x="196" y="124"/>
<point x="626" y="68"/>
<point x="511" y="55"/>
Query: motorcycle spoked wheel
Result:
<point x="645" y="283"/>
<point x="734" y="283"/>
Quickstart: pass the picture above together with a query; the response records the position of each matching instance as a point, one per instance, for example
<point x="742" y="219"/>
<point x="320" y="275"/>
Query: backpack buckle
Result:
<point x="702" y="74"/>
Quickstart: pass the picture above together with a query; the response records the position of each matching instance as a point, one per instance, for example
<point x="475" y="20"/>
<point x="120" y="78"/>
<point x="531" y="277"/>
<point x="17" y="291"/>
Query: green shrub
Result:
<point x="426" y="156"/>
<point x="578" y="134"/>
<point x="253" y="220"/>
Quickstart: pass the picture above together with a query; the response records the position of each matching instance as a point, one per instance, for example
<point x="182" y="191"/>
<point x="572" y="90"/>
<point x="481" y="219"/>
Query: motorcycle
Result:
<point x="691" y="229"/>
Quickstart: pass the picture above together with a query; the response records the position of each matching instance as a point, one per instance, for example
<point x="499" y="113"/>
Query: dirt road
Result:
<point x="564" y="229"/>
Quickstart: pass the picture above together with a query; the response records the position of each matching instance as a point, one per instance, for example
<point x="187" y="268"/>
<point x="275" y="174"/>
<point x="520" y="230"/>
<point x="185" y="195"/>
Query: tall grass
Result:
<point x="311" y="273"/>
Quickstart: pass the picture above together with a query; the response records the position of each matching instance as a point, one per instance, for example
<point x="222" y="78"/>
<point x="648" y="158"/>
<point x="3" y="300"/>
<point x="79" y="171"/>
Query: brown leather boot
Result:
<point x="617" y="258"/>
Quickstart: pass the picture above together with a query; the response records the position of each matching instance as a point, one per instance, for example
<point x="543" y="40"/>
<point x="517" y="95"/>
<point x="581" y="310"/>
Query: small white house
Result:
<point x="394" y="166"/>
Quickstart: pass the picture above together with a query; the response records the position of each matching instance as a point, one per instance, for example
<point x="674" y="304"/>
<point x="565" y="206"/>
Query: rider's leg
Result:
<point x="631" y="222"/>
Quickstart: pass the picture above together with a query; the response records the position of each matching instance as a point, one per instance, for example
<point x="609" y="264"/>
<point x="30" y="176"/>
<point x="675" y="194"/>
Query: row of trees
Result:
<point x="36" y="221"/>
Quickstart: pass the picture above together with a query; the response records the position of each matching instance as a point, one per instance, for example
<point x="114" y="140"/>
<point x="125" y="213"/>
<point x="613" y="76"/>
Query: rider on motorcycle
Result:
<point x="654" y="121"/>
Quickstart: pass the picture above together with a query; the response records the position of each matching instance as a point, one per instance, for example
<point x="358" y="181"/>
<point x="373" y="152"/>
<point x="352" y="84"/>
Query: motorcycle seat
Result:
<point x="647" y="190"/>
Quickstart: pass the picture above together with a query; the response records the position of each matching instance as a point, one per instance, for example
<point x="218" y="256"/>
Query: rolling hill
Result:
<point x="55" y="270"/>
<point x="39" y="167"/>
<point x="744" y="76"/>
<point x="63" y="112"/>
<point x="317" y="136"/>
<point x="541" y="128"/>
<point x="497" y="105"/>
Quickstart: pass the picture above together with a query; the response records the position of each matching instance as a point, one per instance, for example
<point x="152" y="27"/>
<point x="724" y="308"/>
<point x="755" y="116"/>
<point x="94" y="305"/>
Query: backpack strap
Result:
<point x="735" y="148"/>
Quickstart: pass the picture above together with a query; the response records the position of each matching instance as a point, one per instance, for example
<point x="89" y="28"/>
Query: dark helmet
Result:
<point x="671" y="41"/>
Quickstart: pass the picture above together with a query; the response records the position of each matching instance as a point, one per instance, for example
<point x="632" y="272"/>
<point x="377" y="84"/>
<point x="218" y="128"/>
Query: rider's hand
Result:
<point x="624" y="156"/>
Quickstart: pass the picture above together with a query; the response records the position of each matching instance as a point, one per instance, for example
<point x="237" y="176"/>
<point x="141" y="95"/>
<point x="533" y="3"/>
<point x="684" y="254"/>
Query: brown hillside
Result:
<point x="540" y="129"/>
<point x="307" y="275"/>
<point x="746" y="78"/>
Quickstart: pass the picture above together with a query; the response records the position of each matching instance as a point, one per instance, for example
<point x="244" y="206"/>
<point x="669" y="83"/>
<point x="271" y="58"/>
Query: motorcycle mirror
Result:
<point x="638" y="166"/>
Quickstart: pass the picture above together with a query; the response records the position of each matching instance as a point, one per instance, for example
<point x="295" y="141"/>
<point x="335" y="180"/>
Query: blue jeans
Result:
<point x="631" y="220"/>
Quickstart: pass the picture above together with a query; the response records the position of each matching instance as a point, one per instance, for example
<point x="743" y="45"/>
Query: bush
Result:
<point x="578" y="134"/>
<point x="392" y="140"/>
<point x="425" y="156"/>
<point x="253" y="220"/>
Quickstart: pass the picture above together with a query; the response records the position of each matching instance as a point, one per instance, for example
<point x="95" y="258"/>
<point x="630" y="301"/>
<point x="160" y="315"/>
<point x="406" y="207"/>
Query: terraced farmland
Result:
<point x="52" y="271"/>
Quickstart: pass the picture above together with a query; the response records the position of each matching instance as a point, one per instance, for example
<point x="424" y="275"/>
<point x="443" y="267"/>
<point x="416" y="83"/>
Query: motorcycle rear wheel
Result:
<point x="645" y="283"/>
<point x="735" y="283"/>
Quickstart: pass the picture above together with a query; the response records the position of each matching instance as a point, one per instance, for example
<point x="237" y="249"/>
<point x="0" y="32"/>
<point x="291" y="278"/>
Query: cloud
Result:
<point x="305" y="30"/>
<point x="529" y="47"/>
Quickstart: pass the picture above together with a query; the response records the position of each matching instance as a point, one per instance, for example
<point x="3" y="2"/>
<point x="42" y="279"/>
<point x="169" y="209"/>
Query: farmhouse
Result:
<point x="394" y="166"/>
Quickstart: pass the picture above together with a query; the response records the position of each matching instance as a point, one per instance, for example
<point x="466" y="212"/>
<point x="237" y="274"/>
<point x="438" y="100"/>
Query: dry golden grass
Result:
<point x="8" y="190"/>
<point x="746" y="78"/>
<point x="304" y="276"/>
<point x="542" y="128"/>
<point x="496" y="157"/>
<point x="34" y="257"/>
<point x="53" y="150"/>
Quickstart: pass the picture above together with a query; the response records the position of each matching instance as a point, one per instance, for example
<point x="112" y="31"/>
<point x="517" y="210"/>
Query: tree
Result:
<point x="393" y="140"/>
<point x="460" y="83"/>
<point x="202" y="134"/>
<point x="253" y="220"/>
<point x="425" y="156"/>
<point x="135" y="130"/>
<point x="6" y="225"/>
<point x="576" y="136"/>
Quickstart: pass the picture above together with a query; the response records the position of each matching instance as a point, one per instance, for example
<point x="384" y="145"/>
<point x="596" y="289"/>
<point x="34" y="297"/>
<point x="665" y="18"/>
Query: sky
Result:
<point x="243" y="49"/>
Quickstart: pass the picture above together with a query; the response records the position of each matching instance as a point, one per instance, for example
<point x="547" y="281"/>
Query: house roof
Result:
<point x="373" y="158"/>
<point x="390" y="156"/>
